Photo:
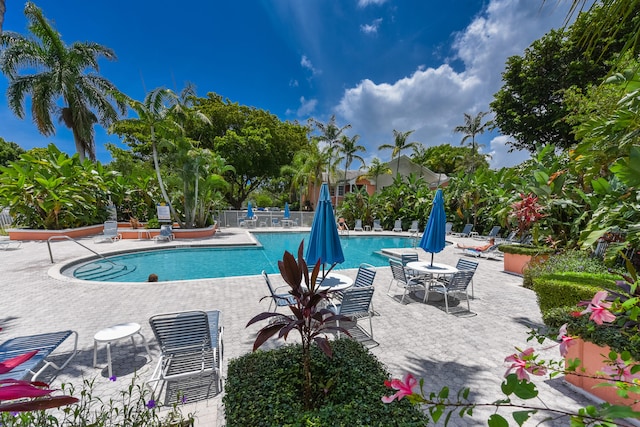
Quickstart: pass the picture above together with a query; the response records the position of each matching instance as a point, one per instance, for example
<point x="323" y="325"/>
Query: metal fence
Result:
<point x="233" y="218"/>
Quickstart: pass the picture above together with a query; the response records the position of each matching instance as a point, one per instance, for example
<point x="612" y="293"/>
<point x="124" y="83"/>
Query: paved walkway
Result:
<point x="455" y="350"/>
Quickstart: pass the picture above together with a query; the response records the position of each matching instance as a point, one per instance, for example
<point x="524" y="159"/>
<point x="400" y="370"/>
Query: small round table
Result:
<point x="115" y="333"/>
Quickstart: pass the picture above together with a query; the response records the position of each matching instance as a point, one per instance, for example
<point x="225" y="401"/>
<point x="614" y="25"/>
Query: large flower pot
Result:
<point x="517" y="263"/>
<point x="592" y="357"/>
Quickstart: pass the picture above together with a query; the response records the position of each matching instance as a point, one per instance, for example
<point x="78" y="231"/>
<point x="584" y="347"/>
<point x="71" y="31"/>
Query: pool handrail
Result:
<point x="75" y="241"/>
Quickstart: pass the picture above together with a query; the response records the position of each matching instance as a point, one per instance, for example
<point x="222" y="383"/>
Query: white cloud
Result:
<point x="371" y="28"/>
<point x="433" y="100"/>
<point x="307" y="106"/>
<point x="500" y="155"/>
<point x="293" y="83"/>
<point x="306" y="63"/>
<point x="365" y="3"/>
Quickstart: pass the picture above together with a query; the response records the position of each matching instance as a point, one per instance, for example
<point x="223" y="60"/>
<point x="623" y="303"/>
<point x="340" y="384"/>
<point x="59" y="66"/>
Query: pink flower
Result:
<point x="599" y="309"/>
<point x="621" y="371"/>
<point x="522" y="363"/>
<point x="404" y="387"/>
<point x="566" y="341"/>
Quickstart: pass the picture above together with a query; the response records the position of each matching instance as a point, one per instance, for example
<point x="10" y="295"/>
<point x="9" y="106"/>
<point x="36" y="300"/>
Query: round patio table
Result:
<point x="115" y="333"/>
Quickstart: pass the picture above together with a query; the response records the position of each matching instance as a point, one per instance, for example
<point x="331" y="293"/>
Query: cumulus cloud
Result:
<point x="365" y="3"/>
<point x="371" y="28"/>
<point x="500" y="155"/>
<point x="307" y="106"/>
<point x="432" y="100"/>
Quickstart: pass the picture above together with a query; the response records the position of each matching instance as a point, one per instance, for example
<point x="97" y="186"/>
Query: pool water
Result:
<point x="208" y="262"/>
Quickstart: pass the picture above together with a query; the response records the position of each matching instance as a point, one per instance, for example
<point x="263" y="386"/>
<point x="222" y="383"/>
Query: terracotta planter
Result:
<point x="123" y="228"/>
<point x="517" y="263"/>
<point x="591" y="357"/>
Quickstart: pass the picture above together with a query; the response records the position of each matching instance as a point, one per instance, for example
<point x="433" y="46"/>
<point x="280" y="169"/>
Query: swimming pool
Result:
<point x="215" y="262"/>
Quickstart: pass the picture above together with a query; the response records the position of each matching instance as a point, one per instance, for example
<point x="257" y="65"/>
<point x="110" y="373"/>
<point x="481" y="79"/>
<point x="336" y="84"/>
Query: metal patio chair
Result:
<point x="409" y="284"/>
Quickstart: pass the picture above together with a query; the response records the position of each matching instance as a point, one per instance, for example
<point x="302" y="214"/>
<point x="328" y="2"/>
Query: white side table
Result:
<point x="115" y="333"/>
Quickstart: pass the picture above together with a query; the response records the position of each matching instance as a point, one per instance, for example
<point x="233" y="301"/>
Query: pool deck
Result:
<point x="457" y="350"/>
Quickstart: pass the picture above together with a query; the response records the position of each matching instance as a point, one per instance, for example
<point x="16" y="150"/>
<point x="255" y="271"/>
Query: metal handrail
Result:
<point x="75" y="241"/>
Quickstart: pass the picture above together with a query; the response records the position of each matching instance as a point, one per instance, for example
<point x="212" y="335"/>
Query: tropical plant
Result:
<point x="400" y="144"/>
<point x="472" y="127"/>
<point x="308" y="316"/>
<point x="349" y="148"/>
<point x="377" y="168"/>
<point x="61" y="74"/>
<point x="9" y="151"/>
<point x="54" y="191"/>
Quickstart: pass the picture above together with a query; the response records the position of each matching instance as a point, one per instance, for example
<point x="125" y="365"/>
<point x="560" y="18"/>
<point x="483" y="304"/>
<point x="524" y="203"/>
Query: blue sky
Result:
<point x="378" y="65"/>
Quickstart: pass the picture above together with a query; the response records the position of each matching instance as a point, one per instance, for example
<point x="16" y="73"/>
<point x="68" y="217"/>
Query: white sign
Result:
<point x="163" y="213"/>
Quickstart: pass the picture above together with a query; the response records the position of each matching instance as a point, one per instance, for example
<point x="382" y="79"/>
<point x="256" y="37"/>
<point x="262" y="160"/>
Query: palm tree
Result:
<point x="376" y="169"/>
<point x="399" y="145"/>
<point x="2" y="10"/>
<point x="154" y="117"/>
<point x="473" y="126"/>
<point x="349" y="147"/>
<point x="330" y="134"/>
<point x="61" y="74"/>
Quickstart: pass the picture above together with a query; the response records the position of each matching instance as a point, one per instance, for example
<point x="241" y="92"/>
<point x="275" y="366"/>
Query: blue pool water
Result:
<point x="207" y="262"/>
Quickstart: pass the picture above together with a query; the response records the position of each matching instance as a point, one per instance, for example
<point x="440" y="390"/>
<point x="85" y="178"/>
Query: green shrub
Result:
<point x="265" y="388"/>
<point x="569" y="288"/>
<point x="152" y="223"/>
<point x="572" y="260"/>
<point x="525" y="249"/>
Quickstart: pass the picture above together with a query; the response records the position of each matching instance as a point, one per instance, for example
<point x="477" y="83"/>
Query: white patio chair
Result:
<point x="358" y="226"/>
<point x="166" y="234"/>
<point x="458" y="283"/>
<point x="376" y="225"/>
<point x="397" y="226"/>
<point x="356" y="303"/>
<point x="409" y="284"/>
<point x="110" y="233"/>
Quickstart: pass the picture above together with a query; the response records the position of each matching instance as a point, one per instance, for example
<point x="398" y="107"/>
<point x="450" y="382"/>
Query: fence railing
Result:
<point x="233" y="218"/>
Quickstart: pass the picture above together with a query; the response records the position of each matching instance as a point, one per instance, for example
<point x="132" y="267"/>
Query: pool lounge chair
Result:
<point x="466" y="231"/>
<point x="358" y="226"/>
<point x="493" y="234"/>
<point x="10" y="244"/>
<point x="165" y="234"/>
<point x="414" y="227"/>
<point x="190" y="345"/>
<point x="448" y="228"/>
<point x="45" y="344"/>
<point x="397" y="226"/>
<point x="376" y="225"/>
<point x="110" y="233"/>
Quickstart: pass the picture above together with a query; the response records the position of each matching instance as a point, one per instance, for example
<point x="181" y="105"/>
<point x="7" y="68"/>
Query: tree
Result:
<point x="530" y="106"/>
<point x="9" y="152"/>
<point x="445" y="158"/>
<point x="2" y="10"/>
<point x="255" y="142"/>
<point x="376" y="169"/>
<point x="399" y="145"/>
<point x="154" y="122"/>
<point x="61" y="74"/>
<point x="473" y="126"/>
<point x="349" y="147"/>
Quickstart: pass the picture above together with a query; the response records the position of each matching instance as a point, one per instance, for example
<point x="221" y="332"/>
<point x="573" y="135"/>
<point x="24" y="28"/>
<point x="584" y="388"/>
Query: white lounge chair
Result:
<point x="9" y="244"/>
<point x="165" y="234"/>
<point x="376" y="225"/>
<point x="358" y="226"/>
<point x="110" y="233"/>
<point x="397" y="226"/>
<point x="466" y="231"/>
<point x="414" y="227"/>
<point x="191" y="346"/>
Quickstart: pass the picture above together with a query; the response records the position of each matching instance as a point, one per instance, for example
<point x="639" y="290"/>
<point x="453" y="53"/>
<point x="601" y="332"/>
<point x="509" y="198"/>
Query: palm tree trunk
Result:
<point x="156" y="165"/>
<point x="2" y="10"/>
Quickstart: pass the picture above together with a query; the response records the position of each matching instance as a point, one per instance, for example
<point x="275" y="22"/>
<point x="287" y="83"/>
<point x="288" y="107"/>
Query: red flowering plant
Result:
<point x="526" y="212"/>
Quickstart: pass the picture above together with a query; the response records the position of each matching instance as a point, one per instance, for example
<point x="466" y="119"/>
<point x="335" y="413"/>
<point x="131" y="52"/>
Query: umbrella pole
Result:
<point x="431" y="259"/>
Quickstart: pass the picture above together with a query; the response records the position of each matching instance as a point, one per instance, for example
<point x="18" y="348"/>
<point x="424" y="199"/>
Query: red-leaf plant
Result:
<point x="14" y="393"/>
<point x="309" y="317"/>
<point x="526" y="212"/>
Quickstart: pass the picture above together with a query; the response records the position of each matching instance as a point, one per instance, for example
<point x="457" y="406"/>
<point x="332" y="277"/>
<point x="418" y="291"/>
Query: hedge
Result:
<point x="264" y="388"/>
<point x="569" y="288"/>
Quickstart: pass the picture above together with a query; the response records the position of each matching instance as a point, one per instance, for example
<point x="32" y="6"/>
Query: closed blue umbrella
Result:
<point x="324" y="241"/>
<point x="287" y="214"/>
<point x="433" y="239"/>
<point x="249" y="210"/>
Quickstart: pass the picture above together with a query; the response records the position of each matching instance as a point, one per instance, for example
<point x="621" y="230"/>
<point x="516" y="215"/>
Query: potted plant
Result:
<point x="604" y="344"/>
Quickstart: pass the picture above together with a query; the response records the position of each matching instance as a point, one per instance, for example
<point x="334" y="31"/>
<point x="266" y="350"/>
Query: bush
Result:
<point x="568" y="289"/>
<point x="152" y="223"/>
<point x="265" y="388"/>
<point x="525" y="249"/>
<point x="572" y="260"/>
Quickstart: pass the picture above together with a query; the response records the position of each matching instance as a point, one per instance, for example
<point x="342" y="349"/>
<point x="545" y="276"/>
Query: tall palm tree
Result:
<point x="330" y="134"/>
<point x="154" y="118"/>
<point x="376" y="169"/>
<point x="400" y="144"/>
<point x="63" y="73"/>
<point x="473" y="126"/>
<point x="2" y="10"/>
<point x="350" y="148"/>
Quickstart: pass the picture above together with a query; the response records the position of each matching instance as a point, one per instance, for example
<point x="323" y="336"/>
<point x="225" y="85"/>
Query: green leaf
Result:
<point x="496" y="420"/>
<point x="522" y="416"/>
<point x="628" y="169"/>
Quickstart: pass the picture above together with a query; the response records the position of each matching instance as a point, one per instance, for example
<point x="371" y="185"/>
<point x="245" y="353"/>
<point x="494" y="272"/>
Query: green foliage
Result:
<point x="9" y="151"/>
<point x="516" y="249"/>
<point x="153" y="223"/>
<point x="134" y="406"/>
<point x="569" y="261"/>
<point x="55" y="191"/>
<point x="446" y="159"/>
<point x="264" y="389"/>
<point x="569" y="288"/>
